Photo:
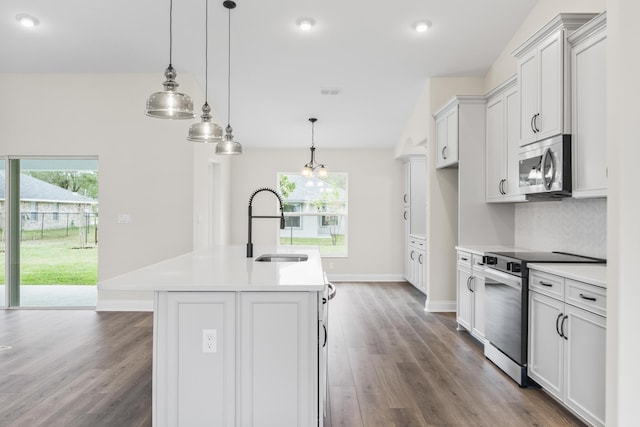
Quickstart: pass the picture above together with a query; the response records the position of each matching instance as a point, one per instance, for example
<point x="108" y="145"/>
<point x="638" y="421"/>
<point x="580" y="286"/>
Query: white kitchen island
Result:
<point x="237" y="342"/>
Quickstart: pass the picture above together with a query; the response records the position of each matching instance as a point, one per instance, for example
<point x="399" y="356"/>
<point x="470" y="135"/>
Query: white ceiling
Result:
<point x="366" y="48"/>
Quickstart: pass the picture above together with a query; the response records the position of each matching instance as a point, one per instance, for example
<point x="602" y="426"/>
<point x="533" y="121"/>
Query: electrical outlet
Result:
<point x="209" y="341"/>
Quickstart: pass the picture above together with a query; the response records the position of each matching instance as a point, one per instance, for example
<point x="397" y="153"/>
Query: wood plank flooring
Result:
<point x="390" y="364"/>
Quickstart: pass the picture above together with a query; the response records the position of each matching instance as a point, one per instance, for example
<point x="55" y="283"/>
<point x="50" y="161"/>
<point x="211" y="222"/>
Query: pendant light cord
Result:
<point x="170" y="30"/>
<point x="206" y="51"/>
<point x="229" y="72"/>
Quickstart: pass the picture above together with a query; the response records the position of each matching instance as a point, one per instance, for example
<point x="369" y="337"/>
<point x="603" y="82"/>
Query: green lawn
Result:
<point x="56" y="262"/>
<point x="325" y="245"/>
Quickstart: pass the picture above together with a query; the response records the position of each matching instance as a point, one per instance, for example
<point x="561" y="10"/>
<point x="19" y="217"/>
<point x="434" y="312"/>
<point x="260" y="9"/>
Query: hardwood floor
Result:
<point x="75" y="368"/>
<point x="390" y="364"/>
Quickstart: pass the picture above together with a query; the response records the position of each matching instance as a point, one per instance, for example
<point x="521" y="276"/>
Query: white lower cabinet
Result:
<point x="416" y="263"/>
<point x="470" y="294"/>
<point x="567" y="343"/>
<point x="261" y="370"/>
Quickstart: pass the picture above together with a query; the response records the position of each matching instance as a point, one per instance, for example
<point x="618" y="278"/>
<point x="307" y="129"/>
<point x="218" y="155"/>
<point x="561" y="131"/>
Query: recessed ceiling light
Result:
<point x="422" y="26"/>
<point x="27" y="20"/>
<point x="305" y="24"/>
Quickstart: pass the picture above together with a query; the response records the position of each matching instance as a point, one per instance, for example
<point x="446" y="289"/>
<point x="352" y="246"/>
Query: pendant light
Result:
<point x="170" y="104"/>
<point x="228" y="145"/>
<point x="206" y="130"/>
<point x="310" y="167"/>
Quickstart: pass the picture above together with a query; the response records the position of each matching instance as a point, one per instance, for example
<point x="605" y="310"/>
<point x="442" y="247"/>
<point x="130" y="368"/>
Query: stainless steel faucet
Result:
<point x="251" y="216"/>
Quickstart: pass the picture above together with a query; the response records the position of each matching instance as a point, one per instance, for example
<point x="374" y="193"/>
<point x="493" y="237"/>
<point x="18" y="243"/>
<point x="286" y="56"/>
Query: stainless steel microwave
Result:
<point x="545" y="167"/>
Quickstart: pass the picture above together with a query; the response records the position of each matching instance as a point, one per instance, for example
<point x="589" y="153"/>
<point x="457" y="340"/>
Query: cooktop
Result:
<point x="548" y="257"/>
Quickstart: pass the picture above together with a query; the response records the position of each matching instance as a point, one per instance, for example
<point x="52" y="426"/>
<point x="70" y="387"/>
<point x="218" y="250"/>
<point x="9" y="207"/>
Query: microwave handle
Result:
<point x="548" y="182"/>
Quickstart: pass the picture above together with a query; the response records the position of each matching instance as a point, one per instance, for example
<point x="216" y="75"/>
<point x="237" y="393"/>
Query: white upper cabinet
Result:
<point x="543" y="79"/>
<point x="455" y="120"/>
<point x="503" y="144"/>
<point x="588" y="105"/>
<point x="447" y="137"/>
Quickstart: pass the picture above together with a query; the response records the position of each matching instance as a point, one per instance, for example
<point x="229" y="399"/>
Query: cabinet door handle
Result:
<point x="405" y="198"/>
<point x="471" y="281"/>
<point x="405" y="215"/>
<point x="501" y="186"/>
<point x="588" y="298"/>
<point x="531" y="123"/>
<point x="557" y="324"/>
<point x="444" y="156"/>
<point x="420" y="258"/>
<point x="468" y="286"/>
<point x="562" y="327"/>
<point x="412" y="254"/>
<point x="325" y="335"/>
<point x="535" y="122"/>
<point x="549" y="285"/>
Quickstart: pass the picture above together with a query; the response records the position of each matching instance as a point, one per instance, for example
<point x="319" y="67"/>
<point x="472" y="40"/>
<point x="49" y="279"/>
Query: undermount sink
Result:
<point x="282" y="258"/>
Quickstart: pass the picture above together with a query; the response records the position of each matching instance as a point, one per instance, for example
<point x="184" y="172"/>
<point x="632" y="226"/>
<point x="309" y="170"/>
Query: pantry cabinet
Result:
<point x="567" y="339"/>
<point x="502" y="181"/>
<point x="414" y="217"/>
<point x="543" y="79"/>
<point x="588" y="106"/>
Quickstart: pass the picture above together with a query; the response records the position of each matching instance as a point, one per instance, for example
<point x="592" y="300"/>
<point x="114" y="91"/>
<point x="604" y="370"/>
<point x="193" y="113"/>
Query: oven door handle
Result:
<point x="509" y="280"/>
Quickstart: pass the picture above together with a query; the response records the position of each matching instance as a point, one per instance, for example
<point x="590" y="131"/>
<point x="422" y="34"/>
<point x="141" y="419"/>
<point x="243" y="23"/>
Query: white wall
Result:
<point x="442" y="188"/>
<point x="623" y="237"/>
<point x="145" y="164"/>
<point x="375" y="227"/>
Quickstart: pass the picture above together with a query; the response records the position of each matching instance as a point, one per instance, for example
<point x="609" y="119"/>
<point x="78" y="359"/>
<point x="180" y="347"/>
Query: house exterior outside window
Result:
<point x="315" y="212"/>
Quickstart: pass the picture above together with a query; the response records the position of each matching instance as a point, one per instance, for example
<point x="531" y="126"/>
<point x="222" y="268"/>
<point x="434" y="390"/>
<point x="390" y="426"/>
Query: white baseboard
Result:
<point x="440" y="306"/>
<point x="124" y="305"/>
<point x="365" y="277"/>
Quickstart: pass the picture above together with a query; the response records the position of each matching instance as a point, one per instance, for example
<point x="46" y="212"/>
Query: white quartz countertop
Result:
<point x="226" y="268"/>
<point x="595" y="274"/>
<point x="482" y="250"/>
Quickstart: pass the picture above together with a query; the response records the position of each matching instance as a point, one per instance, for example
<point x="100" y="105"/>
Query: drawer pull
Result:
<point x="587" y="297"/>
<point x="464" y="259"/>
<point x="545" y="283"/>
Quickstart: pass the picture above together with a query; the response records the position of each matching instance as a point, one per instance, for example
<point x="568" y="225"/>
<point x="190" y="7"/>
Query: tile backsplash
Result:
<point x="577" y="226"/>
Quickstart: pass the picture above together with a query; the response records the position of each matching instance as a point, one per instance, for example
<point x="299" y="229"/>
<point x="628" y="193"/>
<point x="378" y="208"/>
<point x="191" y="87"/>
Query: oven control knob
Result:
<point x="513" y="267"/>
<point x="489" y="260"/>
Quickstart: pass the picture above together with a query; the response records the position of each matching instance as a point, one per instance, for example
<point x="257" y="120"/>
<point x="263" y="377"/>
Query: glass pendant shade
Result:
<point x="322" y="172"/>
<point x="228" y="145"/>
<point x="170" y="104"/>
<point x="307" y="171"/>
<point x="206" y="130"/>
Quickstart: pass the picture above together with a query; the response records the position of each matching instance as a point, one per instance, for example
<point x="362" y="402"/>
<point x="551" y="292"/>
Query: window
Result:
<point x="56" y="212"/>
<point x="315" y="212"/>
<point x="33" y="214"/>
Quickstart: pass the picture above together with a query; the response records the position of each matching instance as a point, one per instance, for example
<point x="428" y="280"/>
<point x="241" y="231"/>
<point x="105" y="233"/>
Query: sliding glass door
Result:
<point x="3" y="226"/>
<point x="52" y="239"/>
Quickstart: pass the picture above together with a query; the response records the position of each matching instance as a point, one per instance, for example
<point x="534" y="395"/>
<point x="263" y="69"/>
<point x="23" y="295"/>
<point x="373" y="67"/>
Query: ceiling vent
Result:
<point x="329" y="91"/>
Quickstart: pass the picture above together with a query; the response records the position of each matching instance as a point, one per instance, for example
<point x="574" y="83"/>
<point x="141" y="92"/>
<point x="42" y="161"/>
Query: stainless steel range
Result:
<point x="506" y="306"/>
